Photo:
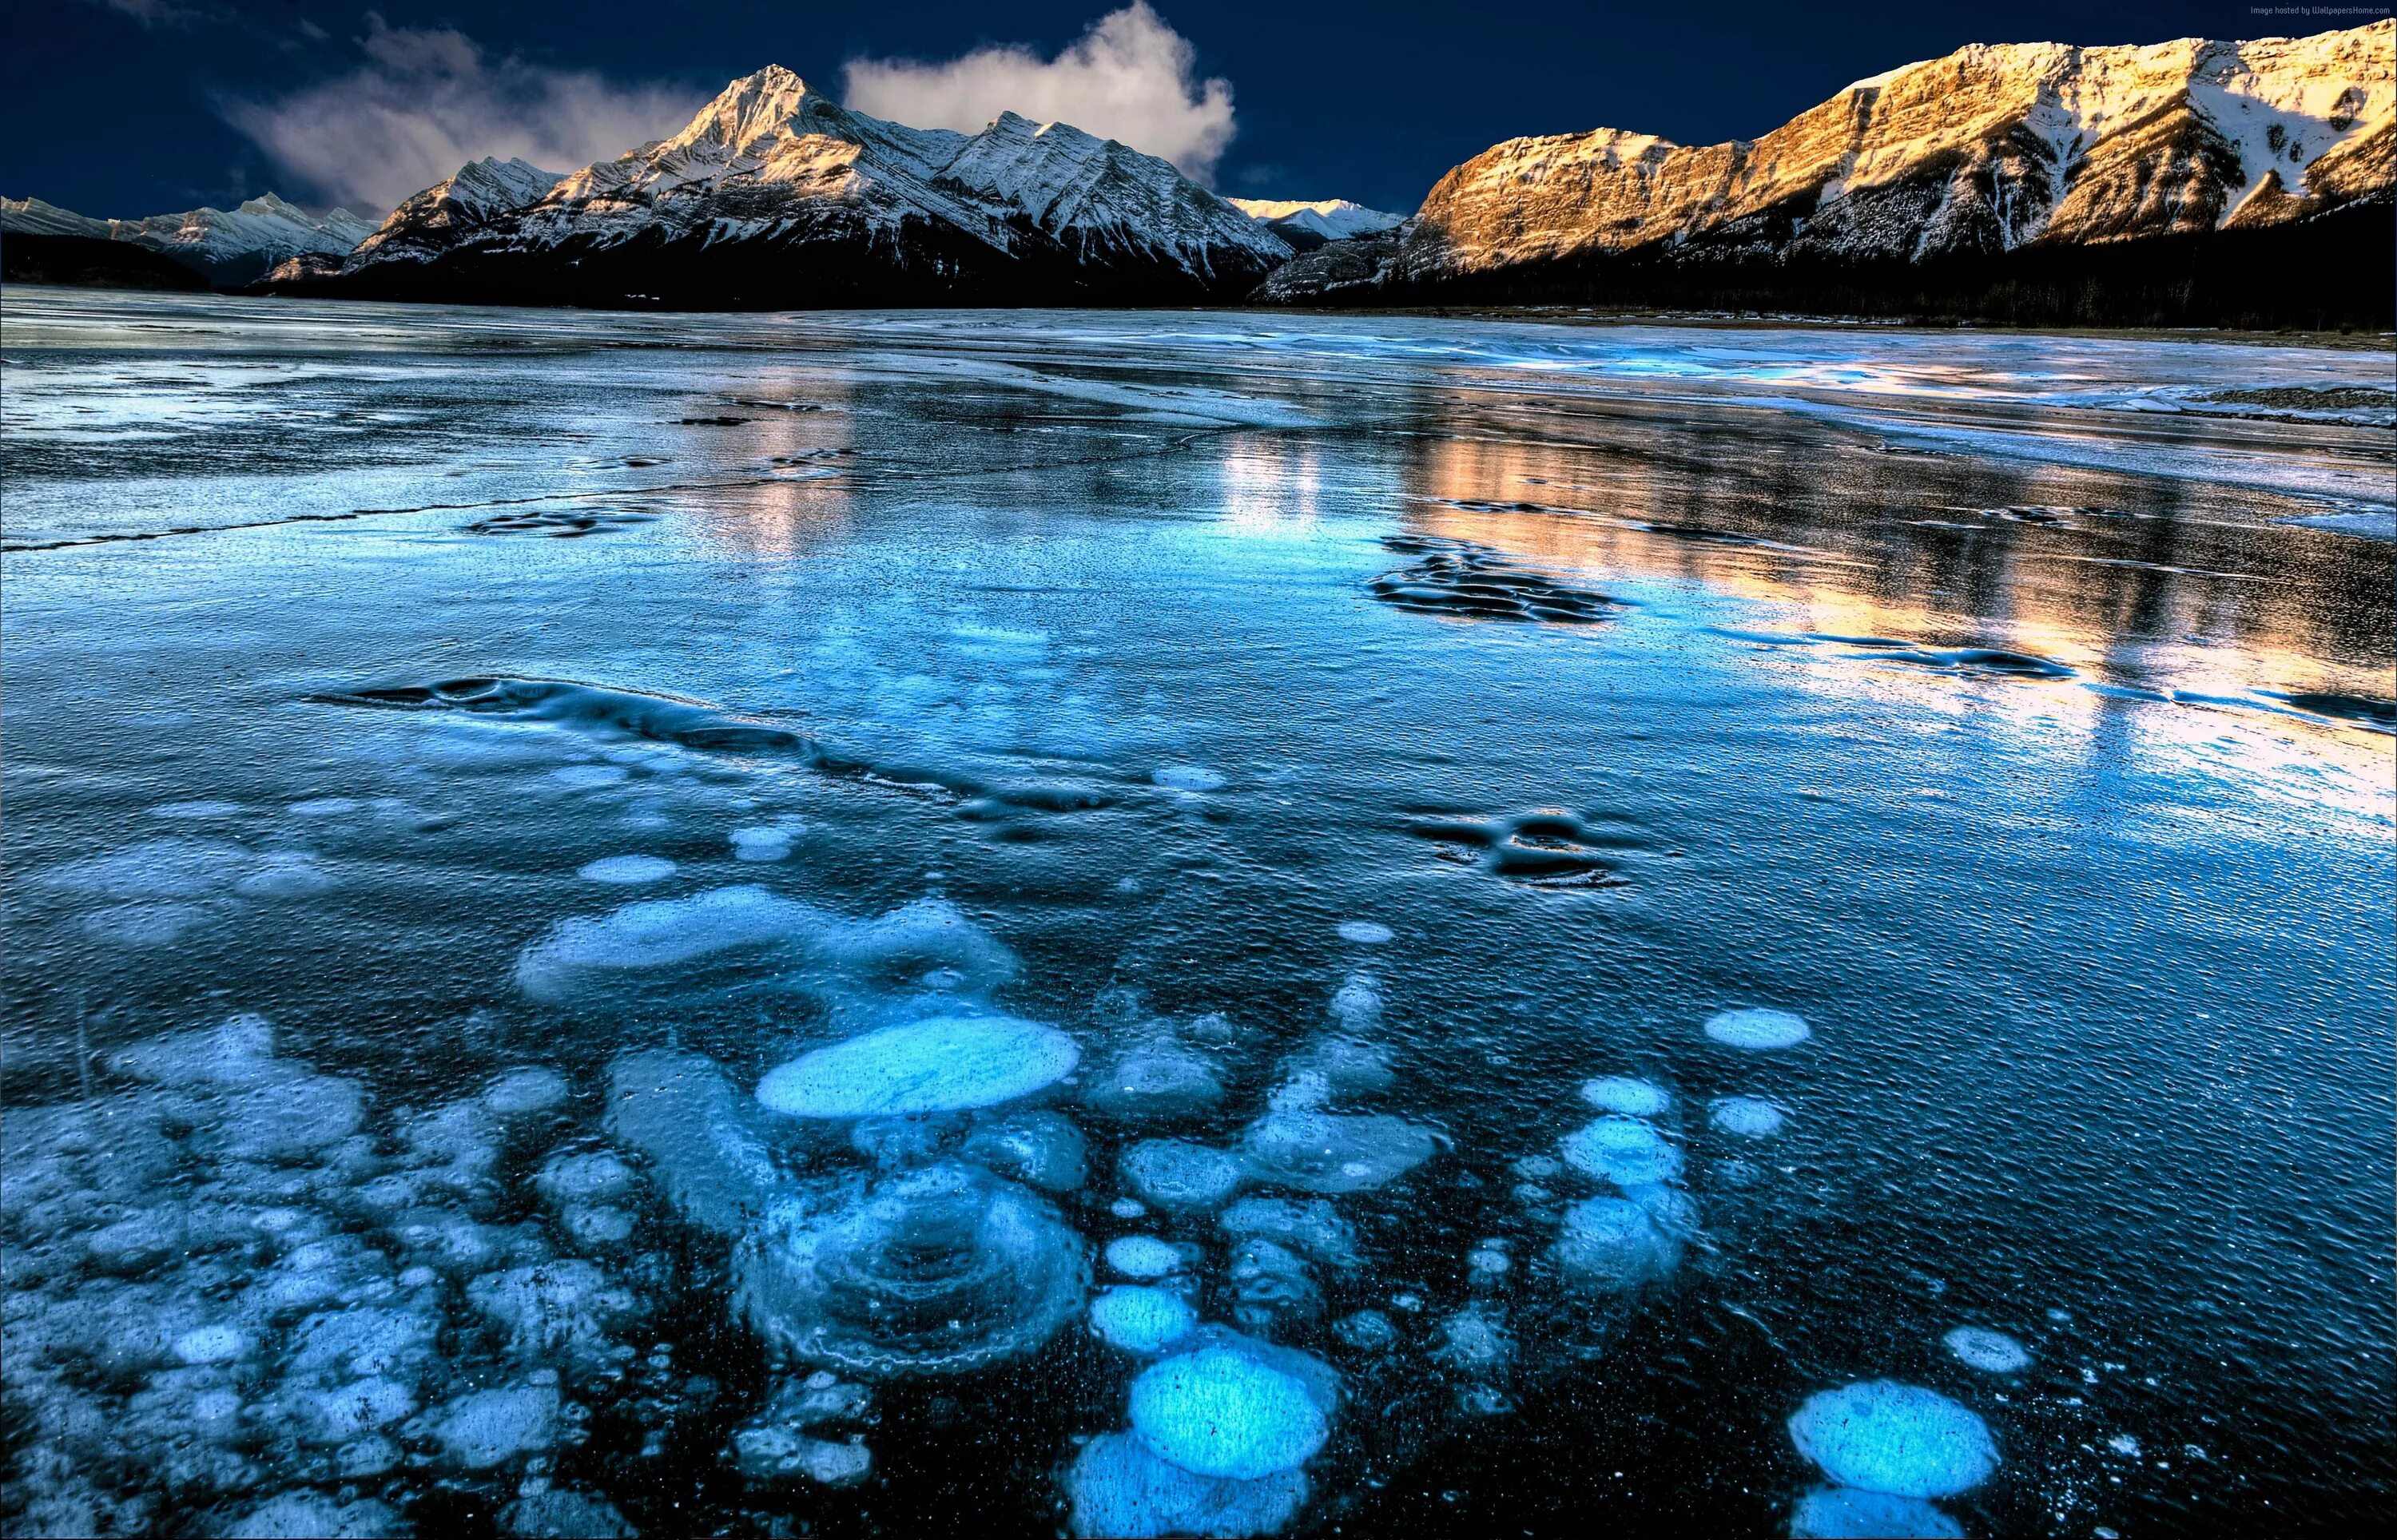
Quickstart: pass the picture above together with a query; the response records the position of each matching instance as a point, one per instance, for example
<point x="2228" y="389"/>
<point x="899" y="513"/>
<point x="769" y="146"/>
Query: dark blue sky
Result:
<point x="128" y="107"/>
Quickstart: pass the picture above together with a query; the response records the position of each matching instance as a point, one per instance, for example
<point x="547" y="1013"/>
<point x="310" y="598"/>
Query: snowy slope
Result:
<point x="228" y="247"/>
<point x="1326" y="219"/>
<point x="772" y="184"/>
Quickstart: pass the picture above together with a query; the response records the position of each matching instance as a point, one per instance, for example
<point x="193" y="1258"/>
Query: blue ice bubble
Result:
<point x="1234" y="1408"/>
<point x="1143" y="1256"/>
<point x="1992" y="1352"/>
<point x="1187" y="778"/>
<point x="1121" y="1491"/>
<point x="1850" y="1513"/>
<point x="1328" y="1153"/>
<point x="1141" y="1320"/>
<point x="1758" y="1030"/>
<point x="1749" y="1117"/>
<point x="324" y="807"/>
<point x="1156" y="1079"/>
<point x="1174" y="1173"/>
<point x="1364" y="933"/>
<point x="663" y="933"/>
<point x="940" y="1270"/>
<point x="1039" y="1148"/>
<point x="943" y="1064"/>
<point x="1895" y="1439"/>
<point x="1613" y="1243"/>
<point x="1673" y="1212"/>
<point x="628" y="871"/>
<point x="1633" y="1098"/>
<point x="585" y="777"/>
<point x="706" y="1151"/>
<point x="1313" y="1227"/>
<point x="761" y="842"/>
<point x="1622" y="1150"/>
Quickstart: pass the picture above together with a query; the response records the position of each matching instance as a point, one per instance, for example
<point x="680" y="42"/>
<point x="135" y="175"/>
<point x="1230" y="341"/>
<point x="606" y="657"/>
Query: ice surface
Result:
<point x="1895" y="1439"/>
<point x="1234" y="1408"/>
<point x="938" y="1270"/>
<point x="1758" y="1030"/>
<point x="1850" y="1513"/>
<point x="1627" y="1151"/>
<point x="1141" y="1320"/>
<point x="946" y="1064"/>
<point x="1121" y="1491"/>
<point x="1749" y="1117"/>
<point x="1992" y="1352"/>
<point x="1633" y="1098"/>
<point x="1174" y="1173"/>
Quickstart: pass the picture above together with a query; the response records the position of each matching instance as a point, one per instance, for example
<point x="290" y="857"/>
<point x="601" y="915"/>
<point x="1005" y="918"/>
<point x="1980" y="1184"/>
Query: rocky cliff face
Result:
<point x="1989" y="152"/>
<point x="775" y="195"/>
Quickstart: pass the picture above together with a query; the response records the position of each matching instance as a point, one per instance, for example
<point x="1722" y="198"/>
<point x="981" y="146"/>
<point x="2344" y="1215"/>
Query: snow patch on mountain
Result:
<point x="228" y="246"/>
<point x="1328" y="218"/>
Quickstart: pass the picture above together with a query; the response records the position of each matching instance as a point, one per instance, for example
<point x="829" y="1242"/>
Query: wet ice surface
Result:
<point x="1013" y="952"/>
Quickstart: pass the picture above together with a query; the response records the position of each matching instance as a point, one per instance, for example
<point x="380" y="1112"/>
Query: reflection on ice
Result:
<point x="1850" y="1513"/>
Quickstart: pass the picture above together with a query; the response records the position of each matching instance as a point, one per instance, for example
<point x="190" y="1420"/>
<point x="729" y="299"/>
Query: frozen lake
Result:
<point x="1117" y="923"/>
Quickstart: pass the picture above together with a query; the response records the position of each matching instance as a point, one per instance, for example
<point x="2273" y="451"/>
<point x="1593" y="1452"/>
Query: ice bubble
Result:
<point x="370" y="1456"/>
<point x="761" y="842"/>
<point x="155" y="869"/>
<point x="1313" y="1227"/>
<point x="1613" y="1243"/>
<point x="552" y="1307"/>
<point x="1992" y="1352"/>
<point x="218" y="1343"/>
<point x="628" y="871"/>
<point x="1141" y="1320"/>
<point x="558" y="1514"/>
<point x="1365" y="933"/>
<point x="1758" y="1030"/>
<point x="1187" y="778"/>
<point x="589" y="1177"/>
<point x="1749" y="1117"/>
<point x="1474" y="1341"/>
<point x="450" y="1241"/>
<point x="1848" y="1513"/>
<point x="939" y="1270"/>
<point x="372" y="1341"/>
<point x="238" y="1052"/>
<point x="324" y="807"/>
<point x="347" y="1413"/>
<point x="1121" y="1491"/>
<point x="1039" y="1148"/>
<point x="1272" y="1287"/>
<point x="1322" y="1152"/>
<point x="1367" y="1331"/>
<point x="309" y="1515"/>
<point x="1895" y="1439"/>
<point x="596" y="1229"/>
<point x="1674" y="1213"/>
<point x="661" y="933"/>
<point x="1174" y="1173"/>
<point x="1484" y="1262"/>
<point x="1633" y="1098"/>
<point x="286" y="874"/>
<point x="582" y="778"/>
<point x="1622" y="1150"/>
<point x="1234" y="1408"/>
<point x="483" y="1429"/>
<point x="1340" y="1066"/>
<point x="1143" y="1256"/>
<point x="1156" y="1079"/>
<point x="1356" y="1004"/>
<point x="143" y="925"/>
<point x="287" y="1120"/>
<point x="705" y="1152"/>
<point x="521" y="1093"/>
<point x="1127" y="1208"/>
<point x="945" y="1064"/>
<point x="204" y="809"/>
<point x="769" y="1452"/>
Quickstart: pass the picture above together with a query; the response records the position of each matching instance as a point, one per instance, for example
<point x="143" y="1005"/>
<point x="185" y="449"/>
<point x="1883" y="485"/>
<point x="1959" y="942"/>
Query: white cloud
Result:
<point x="1128" y="77"/>
<point x="428" y="100"/>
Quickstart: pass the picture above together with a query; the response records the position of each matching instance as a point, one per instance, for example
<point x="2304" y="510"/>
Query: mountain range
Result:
<point x="2186" y="182"/>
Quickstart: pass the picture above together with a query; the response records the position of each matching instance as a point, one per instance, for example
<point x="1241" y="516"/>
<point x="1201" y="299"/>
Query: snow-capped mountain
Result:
<point x="1988" y="154"/>
<point x="1308" y="225"/>
<point x="228" y="247"/>
<point x="775" y="195"/>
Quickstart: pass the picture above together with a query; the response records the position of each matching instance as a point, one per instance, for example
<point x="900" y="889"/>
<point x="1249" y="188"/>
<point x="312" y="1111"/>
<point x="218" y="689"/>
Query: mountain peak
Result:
<point x="748" y="109"/>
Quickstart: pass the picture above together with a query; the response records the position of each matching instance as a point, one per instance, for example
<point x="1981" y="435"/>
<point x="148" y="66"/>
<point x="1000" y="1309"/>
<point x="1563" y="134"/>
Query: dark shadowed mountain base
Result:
<point x="80" y="261"/>
<point x="2329" y="274"/>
